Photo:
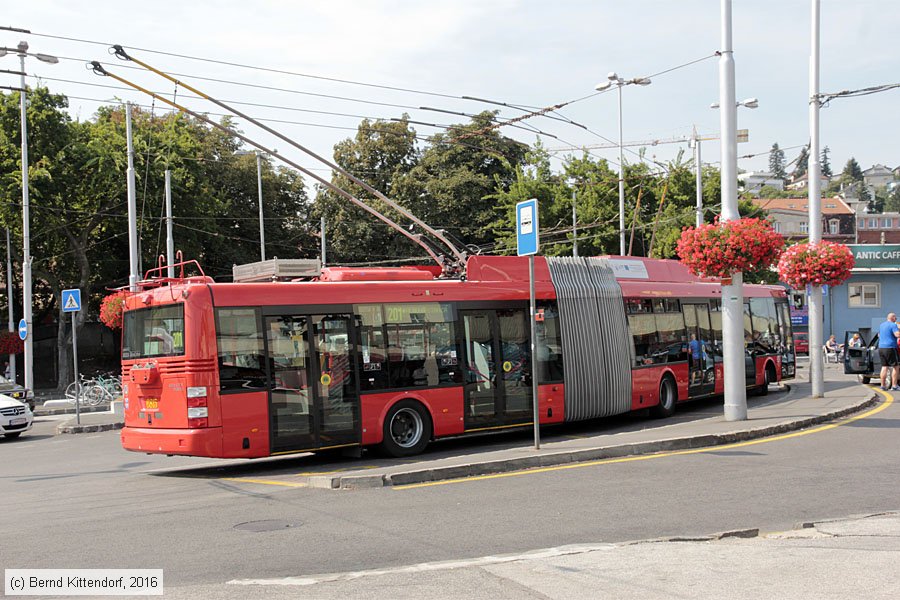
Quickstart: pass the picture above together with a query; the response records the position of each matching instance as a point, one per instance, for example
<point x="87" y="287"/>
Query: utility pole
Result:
<point x="322" y="231"/>
<point x="574" y="227"/>
<point x="9" y="302"/>
<point x="262" y="229"/>
<point x="170" y="239"/>
<point x="733" y="290"/>
<point x="133" y="275"/>
<point x="698" y="165"/>
<point x="816" y="307"/>
<point x="26" y="232"/>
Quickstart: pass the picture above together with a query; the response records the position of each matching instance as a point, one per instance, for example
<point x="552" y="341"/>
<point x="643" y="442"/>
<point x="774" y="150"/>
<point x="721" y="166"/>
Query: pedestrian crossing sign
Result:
<point x="71" y="300"/>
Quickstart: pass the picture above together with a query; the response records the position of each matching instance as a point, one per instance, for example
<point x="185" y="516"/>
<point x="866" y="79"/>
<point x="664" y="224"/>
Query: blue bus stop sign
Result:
<point x="23" y="330"/>
<point x="527" y="227"/>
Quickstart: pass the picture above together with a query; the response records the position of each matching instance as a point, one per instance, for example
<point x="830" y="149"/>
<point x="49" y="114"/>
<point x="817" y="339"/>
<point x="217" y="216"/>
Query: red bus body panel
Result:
<point x="238" y="423"/>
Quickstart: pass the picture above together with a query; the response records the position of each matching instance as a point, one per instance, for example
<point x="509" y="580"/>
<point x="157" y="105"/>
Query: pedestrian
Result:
<point x="6" y="372"/>
<point x="888" y="333"/>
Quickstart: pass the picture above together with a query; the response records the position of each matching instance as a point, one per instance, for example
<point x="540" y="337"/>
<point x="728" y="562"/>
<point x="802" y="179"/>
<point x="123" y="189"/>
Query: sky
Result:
<point x="528" y="53"/>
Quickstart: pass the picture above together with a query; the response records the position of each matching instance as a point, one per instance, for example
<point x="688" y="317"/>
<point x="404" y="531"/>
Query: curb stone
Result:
<point x="88" y="428"/>
<point x="576" y="456"/>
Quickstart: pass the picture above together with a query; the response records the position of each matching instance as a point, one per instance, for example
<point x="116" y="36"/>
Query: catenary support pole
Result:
<point x="170" y="239"/>
<point x="621" y="180"/>
<point x="574" y="226"/>
<point x="26" y="229"/>
<point x="698" y="164"/>
<point x="262" y="227"/>
<point x="133" y="275"/>
<point x="733" y="293"/>
<point x="9" y="307"/>
<point x="322" y="231"/>
<point x="816" y="307"/>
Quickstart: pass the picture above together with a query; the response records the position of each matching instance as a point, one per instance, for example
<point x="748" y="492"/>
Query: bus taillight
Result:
<point x="198" y="413"/>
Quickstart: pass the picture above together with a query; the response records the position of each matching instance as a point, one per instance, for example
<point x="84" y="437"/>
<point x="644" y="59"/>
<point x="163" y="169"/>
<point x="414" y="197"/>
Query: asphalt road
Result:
<point x="82" y="502"/>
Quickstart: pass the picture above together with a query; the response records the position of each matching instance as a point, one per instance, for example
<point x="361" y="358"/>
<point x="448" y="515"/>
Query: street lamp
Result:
<point x="695" y="144"/>
<point x="614" y="80"/>
<point x="262" y="233"/>
<point x="22" y="50"/>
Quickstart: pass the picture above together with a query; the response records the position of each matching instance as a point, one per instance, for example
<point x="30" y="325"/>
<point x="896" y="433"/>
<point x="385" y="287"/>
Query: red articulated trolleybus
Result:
<point x="397" y="357"/>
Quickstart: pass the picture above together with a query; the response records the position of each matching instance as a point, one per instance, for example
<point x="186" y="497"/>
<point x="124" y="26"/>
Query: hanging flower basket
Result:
<point x="10" y="343"/>
<point x="111" y="309"/>
<point x="825" y="263"/>
<point x="720" y="249"/>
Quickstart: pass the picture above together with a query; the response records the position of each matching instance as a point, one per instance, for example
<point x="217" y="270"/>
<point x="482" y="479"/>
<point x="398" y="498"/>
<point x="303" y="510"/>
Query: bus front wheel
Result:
<point x="407" y="429"/>
<point x="668" y="395"/>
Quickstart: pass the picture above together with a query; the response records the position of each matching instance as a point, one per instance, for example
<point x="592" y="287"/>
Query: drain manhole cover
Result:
<point x="268" y="525"/>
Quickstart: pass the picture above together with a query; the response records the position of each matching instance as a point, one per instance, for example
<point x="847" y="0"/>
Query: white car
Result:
<point x="15" y="417"/>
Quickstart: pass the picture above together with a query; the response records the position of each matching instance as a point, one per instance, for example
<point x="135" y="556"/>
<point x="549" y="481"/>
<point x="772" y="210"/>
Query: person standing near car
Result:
<point x="888" y="333"/>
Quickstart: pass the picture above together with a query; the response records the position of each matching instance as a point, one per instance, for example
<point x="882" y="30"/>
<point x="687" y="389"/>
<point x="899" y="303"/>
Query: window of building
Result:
<point x="873" y="223"/>
<point x="864" y="295"/>
<point x="804" y="227"/>
<point x="834" y="227"/>
<point x="862" y="223"/>
<point x="885" y="223"/>
<point x="777" y="226"/>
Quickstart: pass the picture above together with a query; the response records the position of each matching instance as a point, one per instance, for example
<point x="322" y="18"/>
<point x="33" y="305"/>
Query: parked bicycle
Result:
<point x="94" y="391"/>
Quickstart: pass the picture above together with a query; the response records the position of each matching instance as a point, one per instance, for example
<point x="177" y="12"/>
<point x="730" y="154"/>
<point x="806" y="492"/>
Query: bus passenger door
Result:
<point x="497" y="355"/>
<point x="313" y="398"/>
<point x="291" y="416"/>
<point x="337" y="397"/>
<point x="701" y="364"/>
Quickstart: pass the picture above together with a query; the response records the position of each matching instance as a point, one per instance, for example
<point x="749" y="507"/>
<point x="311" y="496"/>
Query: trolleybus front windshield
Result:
<point x="153" y="332"/>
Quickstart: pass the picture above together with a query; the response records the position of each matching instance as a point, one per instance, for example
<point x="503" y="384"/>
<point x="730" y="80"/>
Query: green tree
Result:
<point x="802" y="163"/>
<point x="852" y="172"/>
<point x="825" y="166"/>
<point x="776" y="162"/>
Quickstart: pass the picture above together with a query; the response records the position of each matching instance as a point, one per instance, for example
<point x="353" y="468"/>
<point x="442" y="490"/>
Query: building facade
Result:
<point x="790" y="218"/>
<point x="862" y="302"/>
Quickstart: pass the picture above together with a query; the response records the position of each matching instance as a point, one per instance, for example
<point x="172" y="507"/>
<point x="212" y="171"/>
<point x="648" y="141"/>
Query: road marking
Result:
<point x="265" y="482"/>
<point x="483" y="561"/>
<point x="888" y="400"/>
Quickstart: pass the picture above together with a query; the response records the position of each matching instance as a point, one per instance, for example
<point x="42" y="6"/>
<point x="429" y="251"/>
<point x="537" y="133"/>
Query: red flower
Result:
<point x="111" y="309"/>
<point x="719" y="250"/>
<point x="10" y="343"/>
<point x="825" y="263"/>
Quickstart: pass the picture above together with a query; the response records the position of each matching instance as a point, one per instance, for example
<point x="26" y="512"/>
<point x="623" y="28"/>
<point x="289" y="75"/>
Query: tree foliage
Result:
<point x="777" y="162"/>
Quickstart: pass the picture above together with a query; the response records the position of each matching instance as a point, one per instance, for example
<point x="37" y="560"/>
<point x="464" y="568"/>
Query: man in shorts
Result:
<point x="888" y="332"/>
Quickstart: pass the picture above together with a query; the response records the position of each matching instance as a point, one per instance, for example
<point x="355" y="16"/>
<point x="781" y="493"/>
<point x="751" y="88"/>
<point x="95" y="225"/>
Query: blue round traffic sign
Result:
<point x="23" y="329"/>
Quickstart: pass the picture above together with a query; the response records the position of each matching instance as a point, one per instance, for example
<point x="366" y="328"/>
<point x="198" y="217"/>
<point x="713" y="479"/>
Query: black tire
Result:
<point x="865" y="379"/>
<point x="769" y="377"/>
<point x="12" y="436"/>
<point x="668" y="396"/>
<point x="407" y="429"/>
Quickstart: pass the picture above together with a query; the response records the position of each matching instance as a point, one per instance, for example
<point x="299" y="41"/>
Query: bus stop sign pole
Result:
<point x="527" y="243"/>
<point x="71" y="301"/>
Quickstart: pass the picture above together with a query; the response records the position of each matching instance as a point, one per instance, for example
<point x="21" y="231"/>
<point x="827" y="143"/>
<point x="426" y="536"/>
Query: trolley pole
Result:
<point x="322" y="231"/>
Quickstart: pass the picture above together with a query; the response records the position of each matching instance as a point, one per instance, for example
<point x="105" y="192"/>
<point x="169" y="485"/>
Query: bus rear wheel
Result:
<point x="668" y="395"/>
<point x="407" y="429"/>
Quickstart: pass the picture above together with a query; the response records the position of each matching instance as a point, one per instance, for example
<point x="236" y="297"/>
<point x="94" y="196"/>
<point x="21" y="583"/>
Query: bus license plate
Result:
<point x="19" y="421"/>
<point x="151" y="403"/>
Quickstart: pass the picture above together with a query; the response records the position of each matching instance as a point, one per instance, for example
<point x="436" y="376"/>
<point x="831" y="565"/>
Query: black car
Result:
<point x="16" y="391"/>
<point x="862" y="358"/>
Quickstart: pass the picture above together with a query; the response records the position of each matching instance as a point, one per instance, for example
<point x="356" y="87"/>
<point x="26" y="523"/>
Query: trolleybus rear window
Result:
<point x="153" y="332"/>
